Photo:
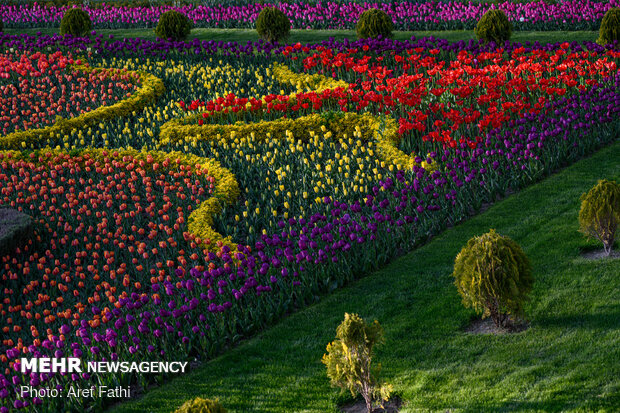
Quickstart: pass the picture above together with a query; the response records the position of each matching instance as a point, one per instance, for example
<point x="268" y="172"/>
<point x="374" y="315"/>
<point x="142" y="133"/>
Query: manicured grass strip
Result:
<point x="566" y="361"/>
<point x="313" y="36"/>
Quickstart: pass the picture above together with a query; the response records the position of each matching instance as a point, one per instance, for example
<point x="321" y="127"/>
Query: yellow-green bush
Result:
<point x="75" y="22"/>
<point x="200" y="405"/>
<point x="374" y="23"/>
<point x="272" y="25"/>
<point x="494" y="276"/>
<point x="599" y="216"/>
<point x="610" y="27"/>
<point x="494" y="27"/>
<point x="348" y="360"/>
<point x="173" y="25"/>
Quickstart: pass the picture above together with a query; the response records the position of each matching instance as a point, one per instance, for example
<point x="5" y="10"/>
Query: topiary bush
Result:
<point x="374" y="23"/>
<point x="349" y="357"/>
<point x="75" y="22"/>
<point x="494" y="276"/>
<point x="272" y="25"/>
<point x="200" y="405"/>
<point x="610" y="27"/>
<point x="494" y="27"/>
<point x="173" y="25"/>
<point x="599" y="216"/>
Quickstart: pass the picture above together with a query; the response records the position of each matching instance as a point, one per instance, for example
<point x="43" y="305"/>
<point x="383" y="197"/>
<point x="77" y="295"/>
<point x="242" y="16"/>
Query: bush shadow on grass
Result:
<point x="564" y="401"/>
<point x="605" y="317"/>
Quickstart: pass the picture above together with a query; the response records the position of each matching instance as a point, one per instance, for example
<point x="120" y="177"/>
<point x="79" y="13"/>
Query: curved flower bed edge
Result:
<point x="151" y="87"/>
<point x="200" y="220"/>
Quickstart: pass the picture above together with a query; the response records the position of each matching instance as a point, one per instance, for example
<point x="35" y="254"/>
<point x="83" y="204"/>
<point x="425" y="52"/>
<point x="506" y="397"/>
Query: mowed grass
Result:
<point x="568" y="360"/>
<point x="314" y="36"/>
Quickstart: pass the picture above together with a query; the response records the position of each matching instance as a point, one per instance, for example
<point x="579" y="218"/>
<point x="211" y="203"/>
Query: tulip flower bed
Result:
<point x="406" y="15"/>
<point x="107" y="221"/>
<point x="35" y="89"/>
<point x="263" y="181"/>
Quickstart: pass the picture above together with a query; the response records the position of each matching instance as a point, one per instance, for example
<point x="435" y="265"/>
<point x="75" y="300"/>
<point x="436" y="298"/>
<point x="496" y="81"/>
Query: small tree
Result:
<point x="494" y="26"/>
<point x="173" y="25"/>
<point x="273" y="25"/>
<point x="348" y="360"/>
<point x="610" y="27"/>
<point x="374" y="23"/>
<point x="75" y="22"/>
<point x="494" y="276"/>
<point x="600" y="213"/>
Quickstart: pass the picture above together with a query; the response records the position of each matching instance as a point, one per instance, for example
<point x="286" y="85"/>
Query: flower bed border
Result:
<point x="384" y="130"/>
<point x="151" y="88"/>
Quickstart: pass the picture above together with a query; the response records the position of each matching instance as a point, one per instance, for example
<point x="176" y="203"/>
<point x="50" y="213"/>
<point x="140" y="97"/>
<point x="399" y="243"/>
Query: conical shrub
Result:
<point x="494" y="27"/>
<point x="610" y="27"/>
<point x="494" y="276"/>
<point x="374" y="23"/>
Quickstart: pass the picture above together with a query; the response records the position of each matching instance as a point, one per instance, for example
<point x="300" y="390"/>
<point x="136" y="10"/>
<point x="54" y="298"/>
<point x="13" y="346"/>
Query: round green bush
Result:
<point x="272" y="24"/>
<point x="200" y="405"/>
<point x="75" y="22"/>
<point x="173" y="25"/>
<point x="374" y="23"/>
<point x="494" y="276"/>
<point x="494" y="27"/>
<point x="610" y="27"/>
<point x="599" y="216"/>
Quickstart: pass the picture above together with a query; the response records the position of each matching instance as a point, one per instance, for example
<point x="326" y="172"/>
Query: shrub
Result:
<point x="494" y="27"/>
<point x="200" y="405"/>
<point x="600" y="213"/>
<point x="272" y="24"/>
<point x="494" y="276"/>
<point x="373" y="23"/>
<point x="173" y="25"/>
<point x="348" y="360"/>
<point x="75" y="22"/>
<point x="610" y="27"/>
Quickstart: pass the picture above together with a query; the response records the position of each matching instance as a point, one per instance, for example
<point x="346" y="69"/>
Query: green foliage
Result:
<point x="272" y="25"/>
<point x="200" y="405"/>
<point x="494" y="276"/>
<point x="349" y="357"/>
<point x="173" y="25"/>
<point x="599" y="216"/>
<point x="610" y="27"/>
<point x="494" y="27"/>
<point x="373" y="23"/>
<point x="75" y="22"/>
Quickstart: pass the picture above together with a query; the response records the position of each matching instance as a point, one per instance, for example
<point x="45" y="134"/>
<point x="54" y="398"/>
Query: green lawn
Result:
<point x="568" y="360"/>
<point x="312" y="36"/>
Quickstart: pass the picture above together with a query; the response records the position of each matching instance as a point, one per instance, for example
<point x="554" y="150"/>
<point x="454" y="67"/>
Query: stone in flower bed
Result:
<point x="16" y="228"/>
